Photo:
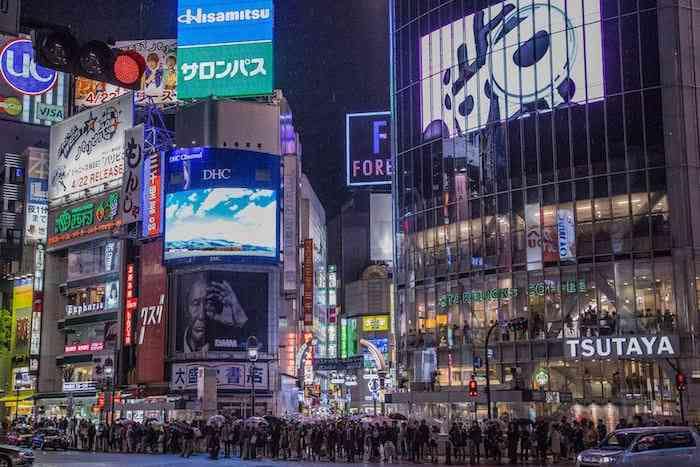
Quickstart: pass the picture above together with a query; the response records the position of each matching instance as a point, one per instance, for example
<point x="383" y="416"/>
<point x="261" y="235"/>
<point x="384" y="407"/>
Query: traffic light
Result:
<point x="681" y="382"/>
<point x="473" y="388"/>
<point x="58" y="49"/>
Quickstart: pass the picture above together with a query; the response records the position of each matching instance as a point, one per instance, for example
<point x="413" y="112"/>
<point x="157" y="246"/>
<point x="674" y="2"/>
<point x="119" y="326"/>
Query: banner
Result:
<point x="307" y="269"/>
<point x="533" y="237"/>
<point x="237" y="375"/>
<point x="132" y="181"/>
<point x="219" y="310"/>
<point x="87" y="151"/>
<point x="152" y="316"/>
<point x="159" y="81"/>
<point x="566" y="227"/>
<point x="37" y="196"/>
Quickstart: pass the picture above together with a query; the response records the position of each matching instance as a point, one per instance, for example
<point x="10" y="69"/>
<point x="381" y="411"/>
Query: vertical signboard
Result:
<point x="152" y="201"/>
<point x="131" y="304"/>
<point x="368" y="149"/>
<point x="533" y="236"/>
<point x="308" y="276"/>
<point x="152" y="316"/>
<point x="37" y="196"/>
<point x="132" y="181"/>
<point x="225" y="49"/>
<point x="22" y="295"/>
<point x="566" y="228"/>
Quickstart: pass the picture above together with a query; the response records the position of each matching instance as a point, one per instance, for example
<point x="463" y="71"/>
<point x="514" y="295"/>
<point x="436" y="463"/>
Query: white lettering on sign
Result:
<point x="200" y="16"/>
<point x="632" y="346"/>
<point x="216" y="174"/>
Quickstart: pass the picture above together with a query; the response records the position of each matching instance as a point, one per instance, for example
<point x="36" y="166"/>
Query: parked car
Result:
<point x="49" y="438"/>
<point x="20" y="436"/>
<point x="12" y="456"/>
<point x="646" y="447"/>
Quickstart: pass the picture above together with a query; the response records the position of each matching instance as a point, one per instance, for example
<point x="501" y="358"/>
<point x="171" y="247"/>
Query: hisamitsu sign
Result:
<point x="368" y="149"/>
<point x="621" y="347"/>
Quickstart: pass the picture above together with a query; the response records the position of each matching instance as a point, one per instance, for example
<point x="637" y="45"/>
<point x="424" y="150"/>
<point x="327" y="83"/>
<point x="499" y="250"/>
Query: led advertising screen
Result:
<point x="225" y="49"/>
<point x="368" y="148"/>
<point x="219" y="310"/>
<point x="221" y="205"/>
<point x="508" y="60"/>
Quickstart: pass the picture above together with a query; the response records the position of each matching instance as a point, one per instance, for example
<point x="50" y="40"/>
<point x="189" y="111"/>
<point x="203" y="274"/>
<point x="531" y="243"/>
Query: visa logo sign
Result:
<point x="50" y="113"/>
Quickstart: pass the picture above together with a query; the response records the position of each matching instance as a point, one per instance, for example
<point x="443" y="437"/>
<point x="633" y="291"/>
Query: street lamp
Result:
<point x="252" y="348"/>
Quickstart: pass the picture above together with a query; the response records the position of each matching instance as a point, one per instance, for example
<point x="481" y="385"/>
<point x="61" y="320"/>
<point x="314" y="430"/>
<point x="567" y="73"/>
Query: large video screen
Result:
<point x="508" y="60"/>
<point x="219" y="310"/>
<point x="221" y="206"/>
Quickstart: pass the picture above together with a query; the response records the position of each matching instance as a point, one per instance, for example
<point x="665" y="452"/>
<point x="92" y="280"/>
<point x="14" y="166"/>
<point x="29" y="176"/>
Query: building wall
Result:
<point x="486" y="187"/>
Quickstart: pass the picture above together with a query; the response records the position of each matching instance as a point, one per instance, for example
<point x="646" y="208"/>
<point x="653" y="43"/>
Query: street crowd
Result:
<point x="391" y="439"/>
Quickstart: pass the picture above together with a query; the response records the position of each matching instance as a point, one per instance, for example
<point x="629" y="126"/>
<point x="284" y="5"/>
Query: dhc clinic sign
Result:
<point x="604" y="347"/>
<point x="368" y="148"/>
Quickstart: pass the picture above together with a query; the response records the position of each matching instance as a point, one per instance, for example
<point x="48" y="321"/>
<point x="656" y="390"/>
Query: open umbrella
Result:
<point x="397" y="416"/>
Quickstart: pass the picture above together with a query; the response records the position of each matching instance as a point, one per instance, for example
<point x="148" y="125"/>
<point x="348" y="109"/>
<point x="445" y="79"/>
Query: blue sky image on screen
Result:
<point x="221" y="222"/>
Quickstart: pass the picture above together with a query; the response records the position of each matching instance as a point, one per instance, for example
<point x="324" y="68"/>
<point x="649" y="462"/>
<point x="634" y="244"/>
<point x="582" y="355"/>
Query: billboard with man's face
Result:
<point x="219" y="310"/>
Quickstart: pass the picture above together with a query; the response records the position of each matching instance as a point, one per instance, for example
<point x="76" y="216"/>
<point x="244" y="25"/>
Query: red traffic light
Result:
<point x="681" y="382"/>
<point x="128" y="68"/>
<point x="473" y="387"/>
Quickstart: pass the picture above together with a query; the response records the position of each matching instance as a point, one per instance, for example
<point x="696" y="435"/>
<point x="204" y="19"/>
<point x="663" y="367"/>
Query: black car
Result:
<point x="49" y="438"/>
<point x="15" y="456"/>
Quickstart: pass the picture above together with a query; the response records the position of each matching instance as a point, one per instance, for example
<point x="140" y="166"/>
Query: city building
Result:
<point x="545" y="170"/>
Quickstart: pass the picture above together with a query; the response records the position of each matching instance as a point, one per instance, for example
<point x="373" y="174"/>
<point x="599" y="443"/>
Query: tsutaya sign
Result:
<point x="621" y="347"/>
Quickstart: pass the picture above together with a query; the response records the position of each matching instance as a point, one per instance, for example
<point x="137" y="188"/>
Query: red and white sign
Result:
<point x="153" y="213"/>
<point x="131" y="304"/>
<point x="308" y="276"/>
<point x="86" y="347"/>
<point x="152" y="315"/>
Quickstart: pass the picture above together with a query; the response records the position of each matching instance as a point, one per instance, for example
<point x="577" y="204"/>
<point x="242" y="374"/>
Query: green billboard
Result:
<point x="228" y="70"/>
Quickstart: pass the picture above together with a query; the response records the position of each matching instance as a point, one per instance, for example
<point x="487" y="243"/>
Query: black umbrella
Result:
<point x="397" y="416"/>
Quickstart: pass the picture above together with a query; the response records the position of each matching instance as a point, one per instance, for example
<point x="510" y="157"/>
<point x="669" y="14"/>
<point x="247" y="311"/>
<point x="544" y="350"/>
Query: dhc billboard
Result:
<point x="221" y="206"/>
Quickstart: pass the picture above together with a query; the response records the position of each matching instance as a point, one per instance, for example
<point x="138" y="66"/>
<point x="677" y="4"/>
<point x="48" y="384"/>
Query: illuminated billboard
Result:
<point x="87" y="151"/>
<point x="221" y="205"/>
<point x="368" y="148"/>
<point x="508" y="60"/>
<point x="219" y="310"/>
<point x="225" y="49"/>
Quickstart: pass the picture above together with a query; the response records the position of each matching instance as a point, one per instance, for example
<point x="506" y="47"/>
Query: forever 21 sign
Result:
<point x="621" y="347"/>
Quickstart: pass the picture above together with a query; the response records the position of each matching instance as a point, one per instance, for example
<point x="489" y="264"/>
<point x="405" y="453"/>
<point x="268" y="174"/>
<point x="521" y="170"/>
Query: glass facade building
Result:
<point x="546" y="156"/>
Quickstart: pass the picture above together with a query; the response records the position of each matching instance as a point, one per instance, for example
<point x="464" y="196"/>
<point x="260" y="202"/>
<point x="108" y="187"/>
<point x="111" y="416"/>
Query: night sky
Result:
<point x="331" y="59"/>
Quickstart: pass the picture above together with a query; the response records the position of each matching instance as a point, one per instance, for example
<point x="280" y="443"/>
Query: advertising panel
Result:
<point x="100" y="214"/>
<point x="381" y="244"/>
<point x="87" y="151"/>
<point x="29" y="92"/>
<point x="221" y="205"/>
<point x="92" y="299"/>
<point x="533" y="237"/>
<point x="224" y="48"/>
<point x="375" y="323"/>
<point x="132" y="181"/>
<point x="307" y="270"/>
<point x="37" y="196"/>
<point x="489" y="71"/>
<point x="152" y="200"/>
<point x="368" y="148"/>
<point x="634" y="346"/>
<point x="235" y="375"/>
<point x="130" y="305"/>
<point x="566" y="228"/>
<point x="94" y="259"/>
<point x="158" y="83"/>
<point x="22" y="295"/>
<point x="152" y="317"/>
<point x="219" y="310"/>
<point x="22" y="380"/>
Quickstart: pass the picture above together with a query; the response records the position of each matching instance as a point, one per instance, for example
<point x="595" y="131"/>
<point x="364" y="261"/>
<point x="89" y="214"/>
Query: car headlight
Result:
<point x="608" y="460"/>
<point x="579" y="458"/>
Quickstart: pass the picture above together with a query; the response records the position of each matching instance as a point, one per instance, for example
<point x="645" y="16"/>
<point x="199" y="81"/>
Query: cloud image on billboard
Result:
<point x="221" y="222"/>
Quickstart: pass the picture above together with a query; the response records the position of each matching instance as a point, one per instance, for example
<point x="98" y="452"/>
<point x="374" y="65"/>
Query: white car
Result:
<point x="646" y="447"/>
